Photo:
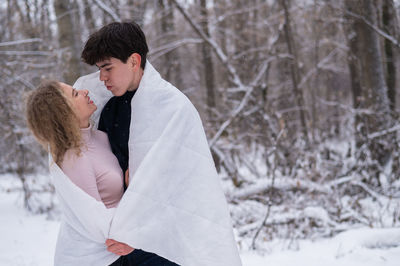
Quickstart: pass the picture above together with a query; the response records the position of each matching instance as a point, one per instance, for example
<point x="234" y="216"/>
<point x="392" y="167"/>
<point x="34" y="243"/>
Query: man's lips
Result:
<point x="109" y="87"/>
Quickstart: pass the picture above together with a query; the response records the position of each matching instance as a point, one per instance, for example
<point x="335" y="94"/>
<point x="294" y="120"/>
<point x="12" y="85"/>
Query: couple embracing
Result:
<point x="130" y="163"/>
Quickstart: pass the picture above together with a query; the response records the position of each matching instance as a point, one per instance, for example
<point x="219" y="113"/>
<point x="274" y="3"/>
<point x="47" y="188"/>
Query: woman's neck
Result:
<point x="84" y="124"/>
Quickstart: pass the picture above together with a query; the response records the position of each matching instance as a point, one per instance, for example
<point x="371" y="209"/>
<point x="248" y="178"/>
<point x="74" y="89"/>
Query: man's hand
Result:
<point x="127" y="177"/>
<point x="118" y="248"/>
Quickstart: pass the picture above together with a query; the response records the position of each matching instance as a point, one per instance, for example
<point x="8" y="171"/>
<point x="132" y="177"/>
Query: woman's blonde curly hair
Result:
<point x="52" y="120"/>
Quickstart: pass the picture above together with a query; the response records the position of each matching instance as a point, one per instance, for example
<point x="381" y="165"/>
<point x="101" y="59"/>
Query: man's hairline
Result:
<point x="109" y="58"/>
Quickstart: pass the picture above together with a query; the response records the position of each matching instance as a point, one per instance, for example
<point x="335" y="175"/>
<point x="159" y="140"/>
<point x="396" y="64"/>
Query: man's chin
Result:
<point x="118" y="92"/>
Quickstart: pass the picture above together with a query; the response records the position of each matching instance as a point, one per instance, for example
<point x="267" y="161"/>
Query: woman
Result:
<point x="58" y="116"/>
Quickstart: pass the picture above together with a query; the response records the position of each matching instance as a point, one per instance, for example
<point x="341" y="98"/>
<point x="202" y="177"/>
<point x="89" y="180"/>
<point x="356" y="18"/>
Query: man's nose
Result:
<point x="102" y="76"/>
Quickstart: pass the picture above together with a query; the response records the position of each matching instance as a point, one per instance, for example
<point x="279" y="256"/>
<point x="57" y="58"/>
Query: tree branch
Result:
<point x="375" y="28"/>
<point x="108" y="10"/>
<point x="20" y="42"/>
<point x="218" y="51"/>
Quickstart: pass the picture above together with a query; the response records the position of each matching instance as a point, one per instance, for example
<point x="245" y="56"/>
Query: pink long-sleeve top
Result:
<point x="96" y="170"/>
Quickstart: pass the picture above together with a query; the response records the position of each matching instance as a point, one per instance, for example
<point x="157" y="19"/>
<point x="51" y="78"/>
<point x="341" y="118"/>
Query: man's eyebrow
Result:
<point x="104" y="65"/>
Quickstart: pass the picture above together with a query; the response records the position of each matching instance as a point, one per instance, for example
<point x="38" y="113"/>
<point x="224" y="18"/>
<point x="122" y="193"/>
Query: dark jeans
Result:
<point x="139" y="257"/>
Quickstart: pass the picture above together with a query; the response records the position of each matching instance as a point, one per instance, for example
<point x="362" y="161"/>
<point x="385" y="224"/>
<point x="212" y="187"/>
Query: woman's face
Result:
<point x="81" y="103"/>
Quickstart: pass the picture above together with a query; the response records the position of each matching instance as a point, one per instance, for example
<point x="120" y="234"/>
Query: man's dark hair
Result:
<point x="118" y="40"/>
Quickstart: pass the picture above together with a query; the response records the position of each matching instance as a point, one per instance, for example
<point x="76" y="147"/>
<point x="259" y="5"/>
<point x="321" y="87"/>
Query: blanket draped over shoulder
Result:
<point x="174" y="205"/>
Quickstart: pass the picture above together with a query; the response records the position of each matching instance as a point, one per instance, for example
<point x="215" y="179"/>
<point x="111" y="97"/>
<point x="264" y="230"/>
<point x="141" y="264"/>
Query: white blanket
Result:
<point x="174" y="205"/>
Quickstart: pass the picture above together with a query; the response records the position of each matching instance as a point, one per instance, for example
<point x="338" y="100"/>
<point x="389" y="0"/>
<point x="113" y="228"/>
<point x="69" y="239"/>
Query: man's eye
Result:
<point x="108" y="69"/>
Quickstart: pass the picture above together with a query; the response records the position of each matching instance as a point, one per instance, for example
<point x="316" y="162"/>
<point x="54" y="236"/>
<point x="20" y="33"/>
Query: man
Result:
<point x="119" y="51"/>
<point x="176" y="207"/>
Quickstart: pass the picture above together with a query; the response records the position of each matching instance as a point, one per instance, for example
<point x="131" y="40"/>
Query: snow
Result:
<point x="30" y="240"/>
<point x="26" y="239"/>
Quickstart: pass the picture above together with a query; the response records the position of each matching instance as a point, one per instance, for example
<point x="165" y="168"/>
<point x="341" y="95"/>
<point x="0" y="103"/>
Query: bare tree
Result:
<point x="373" y="94"/>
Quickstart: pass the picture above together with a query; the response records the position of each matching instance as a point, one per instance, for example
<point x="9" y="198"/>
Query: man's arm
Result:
<point x="127" y="177"/>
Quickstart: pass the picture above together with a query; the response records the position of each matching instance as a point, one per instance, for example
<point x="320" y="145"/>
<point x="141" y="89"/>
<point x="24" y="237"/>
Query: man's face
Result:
<point x="119" y="77"/>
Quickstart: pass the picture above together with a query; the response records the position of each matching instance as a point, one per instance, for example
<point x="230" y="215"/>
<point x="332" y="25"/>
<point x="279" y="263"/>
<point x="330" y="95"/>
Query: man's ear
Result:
<point x="136" y="60"/>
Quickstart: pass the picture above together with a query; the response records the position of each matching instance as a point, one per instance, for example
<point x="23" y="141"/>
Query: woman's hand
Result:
<point x="118" y="248"/>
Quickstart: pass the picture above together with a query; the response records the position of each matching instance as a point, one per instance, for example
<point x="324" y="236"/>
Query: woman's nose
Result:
<point x="84" y="92"/>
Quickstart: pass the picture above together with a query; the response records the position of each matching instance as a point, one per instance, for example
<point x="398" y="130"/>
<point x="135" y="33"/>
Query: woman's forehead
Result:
<point x="67" y="89"/>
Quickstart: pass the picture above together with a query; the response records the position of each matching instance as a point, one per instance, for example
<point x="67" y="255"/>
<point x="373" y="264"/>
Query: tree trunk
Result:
<point x="10" y="27"/>
<point x="294" y="69"/>
<point x="44" y="20"/>
<point x="219" y="8"/>
<point x="66" y="38"/>
<point x="91" y="25"/>
<point x="138" y="8"/>
<point x="208" y="64"/>
<point x="373" y="97"/>
<point x="390" y="26"/>
<point x="172" y="64"/>
<point x="353" y="40"/>
<point x="315" y="85"/>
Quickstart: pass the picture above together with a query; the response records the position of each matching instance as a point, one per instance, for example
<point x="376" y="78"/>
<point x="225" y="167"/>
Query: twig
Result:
<point x="253" y="242"/>
<point x="108" y="10"/>
<point x="20" y="42"/>
<point x="384" y="132"/>
<point x="230" y="68"/>
<point x="218" y="51"/>
<point x="157" y="52"/>
<point x="375" y="28"/>
<point x="26" y="53"/>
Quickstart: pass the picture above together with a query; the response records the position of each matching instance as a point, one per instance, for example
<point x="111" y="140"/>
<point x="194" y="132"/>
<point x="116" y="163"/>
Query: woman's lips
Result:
<point x="89" y="100"/>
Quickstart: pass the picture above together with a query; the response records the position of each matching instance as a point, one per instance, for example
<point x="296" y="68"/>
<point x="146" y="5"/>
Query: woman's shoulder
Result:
<point x="99" y="135"/>
<point x="73" y="158"/>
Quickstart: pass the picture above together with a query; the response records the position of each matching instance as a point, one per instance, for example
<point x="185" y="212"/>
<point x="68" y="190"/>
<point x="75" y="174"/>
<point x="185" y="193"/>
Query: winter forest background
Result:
<point x="299" y="99"/>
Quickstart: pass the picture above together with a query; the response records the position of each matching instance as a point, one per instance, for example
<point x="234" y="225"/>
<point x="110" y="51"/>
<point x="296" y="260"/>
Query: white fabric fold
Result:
<point x="174" y="205"/>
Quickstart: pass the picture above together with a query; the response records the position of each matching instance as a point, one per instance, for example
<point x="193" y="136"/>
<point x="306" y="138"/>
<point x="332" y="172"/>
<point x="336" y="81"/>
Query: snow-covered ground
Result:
<point x="28" y="239"/>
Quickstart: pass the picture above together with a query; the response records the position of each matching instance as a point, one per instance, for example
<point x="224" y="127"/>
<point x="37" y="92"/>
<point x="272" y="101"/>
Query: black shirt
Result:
<point x="115" y="120"/>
